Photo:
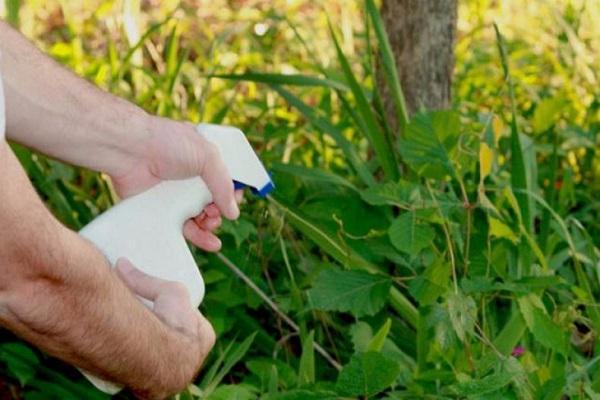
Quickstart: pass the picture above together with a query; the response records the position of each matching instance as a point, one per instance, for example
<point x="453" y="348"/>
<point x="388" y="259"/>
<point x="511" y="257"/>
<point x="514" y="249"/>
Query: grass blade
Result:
<point x="306" y="370"/>
<point x="230" y="360"/>
<point x="327" y="127"/>
<point x="374" y="134"/>
<point x="125" y="63"/>
<point x="389" y="65"/>
<point x="518" y="170"/>
<point x="283" y="79"/>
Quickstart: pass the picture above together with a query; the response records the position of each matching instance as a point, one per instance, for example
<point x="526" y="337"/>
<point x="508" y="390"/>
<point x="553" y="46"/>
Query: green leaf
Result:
<point x="500" y="230"/>
<point x="328" y="243"/>
<point x="491" y="383"/>
<point x="539" y="323"/>
<point x="432" y="283"/>
<point x="367" y="374"/>
<point x="547" y="112"/>
<point x="303" y="394"/>
<point x="345" y="256"/>
<point x="510" y="335"/>
<point x="233" y="392"/>
<point x="306" y="369"/>
<point x="376" y="344"/>
<point x="20" y="360"/>
<point x="357" y="292"/>
<point x="463" y="314"/>
<point x="392" y="193"/>
<point x="521" y="286"/>
<point x="409" y="235"/>
<point x="361" y="335"/>
<point x="241" y="230"/>
<point x="427" y="141"/>
<point x="282" y="79"/>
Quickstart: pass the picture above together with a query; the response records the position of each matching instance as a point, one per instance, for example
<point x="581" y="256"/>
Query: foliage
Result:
<point x="455" y="258"/>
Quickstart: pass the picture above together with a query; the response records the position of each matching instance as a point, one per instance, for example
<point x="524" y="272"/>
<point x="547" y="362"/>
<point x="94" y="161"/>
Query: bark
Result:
<point x="422" y="35"/>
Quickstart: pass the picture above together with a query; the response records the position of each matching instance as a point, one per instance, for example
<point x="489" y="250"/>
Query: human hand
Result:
<point x="175" y="150"/>
<point x="171" y="304"/>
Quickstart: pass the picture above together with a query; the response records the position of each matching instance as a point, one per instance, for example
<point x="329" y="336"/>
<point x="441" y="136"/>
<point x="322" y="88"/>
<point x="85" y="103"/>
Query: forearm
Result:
<point x="52" y="110"/>
<point x="64" y="298"/>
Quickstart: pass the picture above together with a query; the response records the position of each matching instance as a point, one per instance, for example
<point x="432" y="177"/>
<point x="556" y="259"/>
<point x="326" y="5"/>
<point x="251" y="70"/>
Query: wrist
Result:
<point x="180" y="366"/>
<point x="130" y="145"/>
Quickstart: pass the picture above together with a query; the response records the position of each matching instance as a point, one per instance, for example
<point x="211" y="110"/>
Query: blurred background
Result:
<point x="168" y="57"/>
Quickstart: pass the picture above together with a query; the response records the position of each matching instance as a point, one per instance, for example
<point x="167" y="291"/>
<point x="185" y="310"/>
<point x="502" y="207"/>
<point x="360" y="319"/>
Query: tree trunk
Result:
<point x="422" y="34"/>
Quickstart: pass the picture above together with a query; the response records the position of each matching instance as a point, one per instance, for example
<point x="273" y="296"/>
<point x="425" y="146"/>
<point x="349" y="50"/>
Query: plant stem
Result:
<point x="448" y="238"/>
<point x="274" y="307"/>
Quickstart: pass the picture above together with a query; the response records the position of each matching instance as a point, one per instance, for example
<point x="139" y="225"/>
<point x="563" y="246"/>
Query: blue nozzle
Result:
<point x="262" y="192"/>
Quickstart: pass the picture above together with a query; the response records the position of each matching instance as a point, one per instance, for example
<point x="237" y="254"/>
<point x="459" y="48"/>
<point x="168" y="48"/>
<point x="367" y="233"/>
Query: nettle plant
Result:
<point x="459" y="272"/>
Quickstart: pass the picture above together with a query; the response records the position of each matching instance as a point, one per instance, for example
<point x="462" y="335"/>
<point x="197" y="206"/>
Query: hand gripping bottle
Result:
<point x="147" y="228"/>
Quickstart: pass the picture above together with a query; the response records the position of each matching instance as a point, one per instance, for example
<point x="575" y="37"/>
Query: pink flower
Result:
<point x="518" y="351"/>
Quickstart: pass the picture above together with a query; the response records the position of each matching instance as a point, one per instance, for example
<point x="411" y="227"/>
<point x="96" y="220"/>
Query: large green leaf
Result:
<point x="539" y="323"/>
<point x="346" y="256"/>
<point x="498" y="379"/>
<point x="410" y="235"/>
<point x="357" y="292"/>
<point x="426" y="144"/>
<point x="547" y="112"/>
<point x="400" y="193"/>
<point x="463" y="314"/>
<point x="367" y="374"/>
<point x="327" y="242"/>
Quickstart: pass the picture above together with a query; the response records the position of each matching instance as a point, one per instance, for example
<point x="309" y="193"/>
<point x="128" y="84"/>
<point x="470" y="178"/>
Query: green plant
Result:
<point x="454" y="258"/>
<point x="455" y="233"/>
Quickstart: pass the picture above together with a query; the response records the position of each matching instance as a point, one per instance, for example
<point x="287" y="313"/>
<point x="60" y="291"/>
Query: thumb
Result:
<point x="142" y="284"/>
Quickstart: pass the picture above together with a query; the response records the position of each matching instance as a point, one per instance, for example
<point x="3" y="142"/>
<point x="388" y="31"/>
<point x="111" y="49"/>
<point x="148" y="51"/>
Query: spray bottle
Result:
<point x="147" y="228"/>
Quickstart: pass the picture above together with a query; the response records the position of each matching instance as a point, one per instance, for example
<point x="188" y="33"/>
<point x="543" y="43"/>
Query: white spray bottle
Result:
<point x="147" y="228"/>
